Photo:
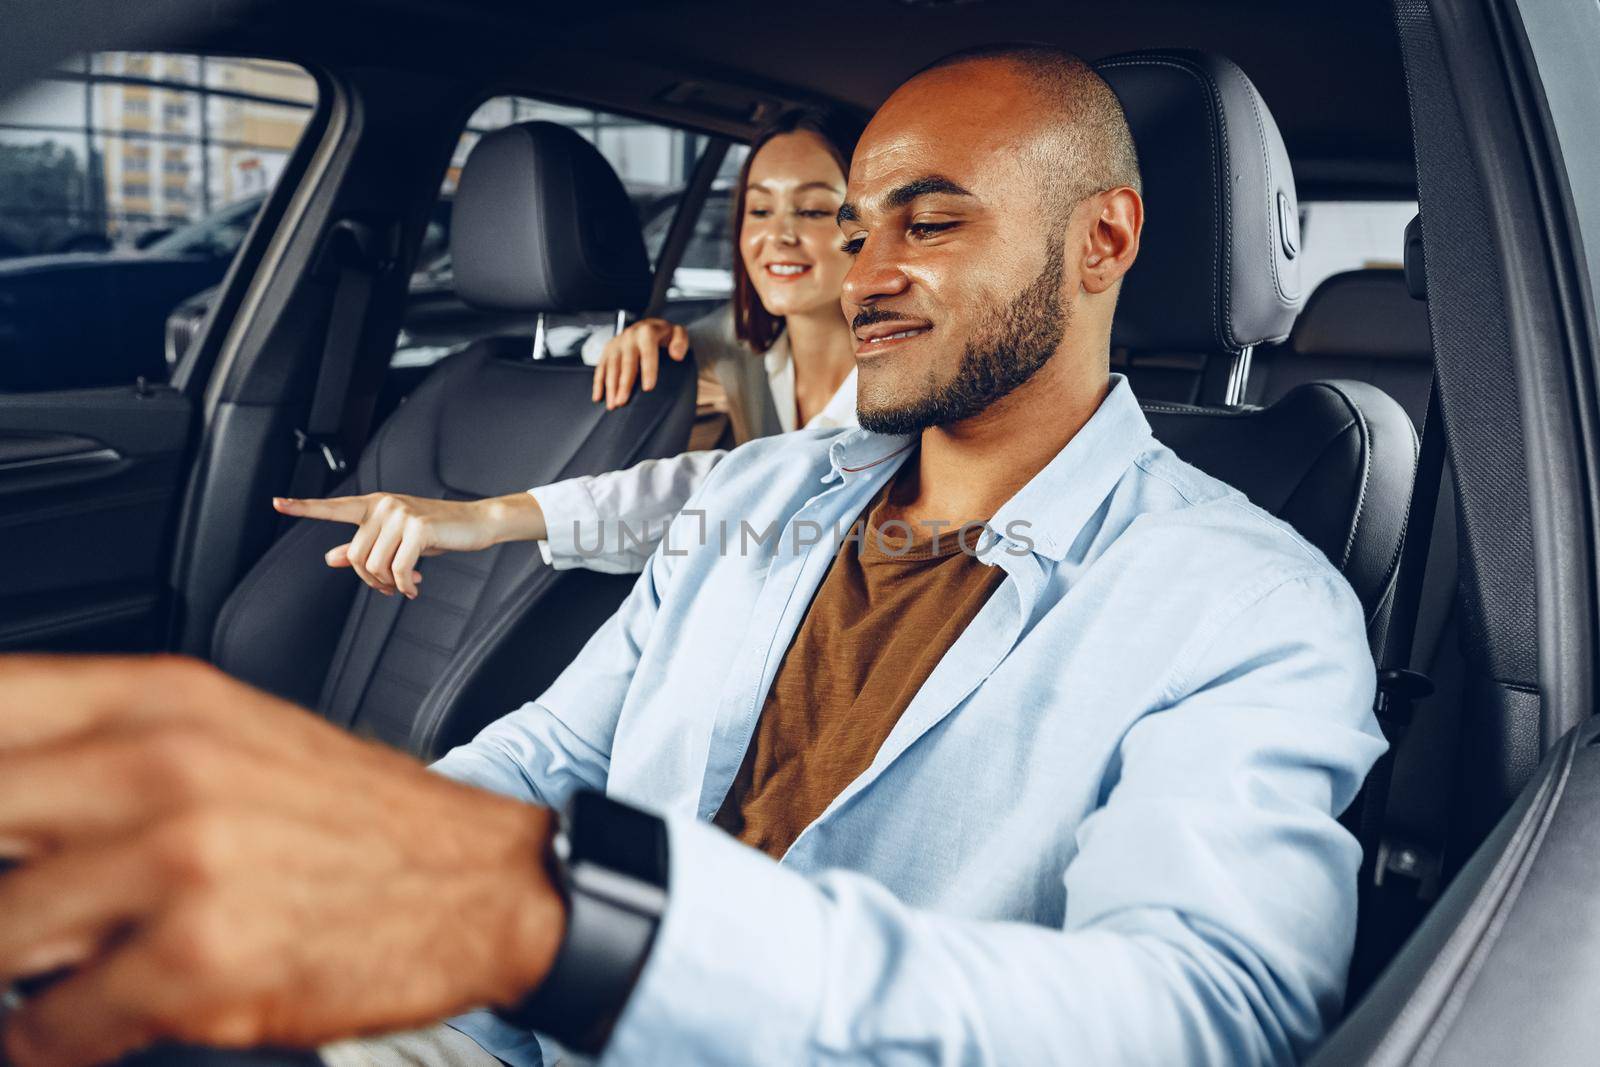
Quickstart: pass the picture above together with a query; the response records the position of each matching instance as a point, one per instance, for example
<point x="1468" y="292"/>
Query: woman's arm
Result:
<point x="604" y="522"/>
<point x="394" y="531"/>
<point x="612" y="522"/>
<point x="609" y="522"/>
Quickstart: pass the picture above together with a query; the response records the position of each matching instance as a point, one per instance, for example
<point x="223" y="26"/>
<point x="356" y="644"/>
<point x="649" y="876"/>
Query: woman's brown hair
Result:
<point x="752" y="323"/>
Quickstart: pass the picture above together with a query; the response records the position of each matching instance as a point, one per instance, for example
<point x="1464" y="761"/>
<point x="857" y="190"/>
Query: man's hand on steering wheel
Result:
<point x="203" y="863"/>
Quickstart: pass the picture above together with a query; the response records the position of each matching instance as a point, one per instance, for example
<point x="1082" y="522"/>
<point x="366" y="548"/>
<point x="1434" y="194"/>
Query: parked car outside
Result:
<point x="47" y="342"/>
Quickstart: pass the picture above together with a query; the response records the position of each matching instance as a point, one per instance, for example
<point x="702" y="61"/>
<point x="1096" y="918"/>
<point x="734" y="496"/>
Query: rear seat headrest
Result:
<point x="1219" y="262"/>
<point x="541" y="223"/>
<point x="1366" y="313"/>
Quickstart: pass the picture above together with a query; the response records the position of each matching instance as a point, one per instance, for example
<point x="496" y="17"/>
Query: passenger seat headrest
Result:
<point x="541" y="223"/>
<point x="1364" y="313"/>
<point x="1219" y="261"/>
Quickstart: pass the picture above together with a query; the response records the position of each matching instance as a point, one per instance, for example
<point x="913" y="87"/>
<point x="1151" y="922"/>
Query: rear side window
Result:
<point x="1341" y="235"/>
<point x="706" y="271"/>
<point x="654" y="162"/>
<point x="128" y="181"/>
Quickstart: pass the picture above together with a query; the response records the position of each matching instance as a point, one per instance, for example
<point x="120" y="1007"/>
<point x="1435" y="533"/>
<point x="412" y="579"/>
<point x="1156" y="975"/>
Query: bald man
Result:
<point x="990" y="733"/>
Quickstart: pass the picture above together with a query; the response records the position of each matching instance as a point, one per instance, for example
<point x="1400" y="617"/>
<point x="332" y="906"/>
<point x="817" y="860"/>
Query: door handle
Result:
<point x="43" y="454"/>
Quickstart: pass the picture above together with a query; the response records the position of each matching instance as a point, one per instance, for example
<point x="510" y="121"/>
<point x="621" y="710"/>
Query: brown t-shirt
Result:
<point x="885" y="614"/>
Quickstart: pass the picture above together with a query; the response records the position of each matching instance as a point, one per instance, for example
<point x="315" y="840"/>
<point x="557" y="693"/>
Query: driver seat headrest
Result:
<point x="1219" y="261"/>
<point x="541" y="223"/>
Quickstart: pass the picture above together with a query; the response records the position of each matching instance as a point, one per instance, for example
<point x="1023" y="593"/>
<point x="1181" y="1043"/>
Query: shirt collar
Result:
<point x="861" y="453"/>
<point x="1051" y="510"/>
<point x="1048" y="513"/>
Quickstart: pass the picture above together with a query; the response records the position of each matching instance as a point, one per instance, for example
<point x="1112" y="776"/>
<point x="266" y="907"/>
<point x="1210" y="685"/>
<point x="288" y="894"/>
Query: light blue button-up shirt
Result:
<point x="1102" y="832"/>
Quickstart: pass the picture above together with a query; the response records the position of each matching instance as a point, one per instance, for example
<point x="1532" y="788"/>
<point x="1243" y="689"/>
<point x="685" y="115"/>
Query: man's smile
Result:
<point x="885" y="334"/>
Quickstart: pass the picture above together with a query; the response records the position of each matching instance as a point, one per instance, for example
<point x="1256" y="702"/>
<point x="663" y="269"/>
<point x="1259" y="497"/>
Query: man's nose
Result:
<point x="875" y="273"/>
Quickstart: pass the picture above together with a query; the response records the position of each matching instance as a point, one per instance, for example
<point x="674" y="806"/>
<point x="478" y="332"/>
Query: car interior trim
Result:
<point x="86" y="458"/>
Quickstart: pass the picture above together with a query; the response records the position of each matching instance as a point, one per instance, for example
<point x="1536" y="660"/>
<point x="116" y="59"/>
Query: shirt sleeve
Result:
<point x="1210" y="904"/>
<point x="612" y="522"/>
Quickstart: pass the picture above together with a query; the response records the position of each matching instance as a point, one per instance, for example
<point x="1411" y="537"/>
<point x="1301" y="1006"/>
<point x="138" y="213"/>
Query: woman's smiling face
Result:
<point x="788" y="237"/>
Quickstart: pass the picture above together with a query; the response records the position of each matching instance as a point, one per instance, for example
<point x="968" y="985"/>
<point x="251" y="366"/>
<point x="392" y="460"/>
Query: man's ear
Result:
<point x="1113" y="240"/>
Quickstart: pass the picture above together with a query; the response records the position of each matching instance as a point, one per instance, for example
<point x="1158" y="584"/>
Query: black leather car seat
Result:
<point x="1223" y="227"/>
<point x="1335" y="460"/>
<point x="1338" y="459"/>
<point x="1218" y="273"/>
<point x="1367" y="325"/>
<point x="1361" y="324"/>
<point x="541" y="225"/>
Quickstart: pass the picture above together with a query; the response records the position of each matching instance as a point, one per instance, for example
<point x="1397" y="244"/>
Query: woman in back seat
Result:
<point x="780" y="356"/>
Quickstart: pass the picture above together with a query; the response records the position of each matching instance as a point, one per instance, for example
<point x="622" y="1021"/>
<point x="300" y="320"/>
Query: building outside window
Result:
<point x="75" y="149"/>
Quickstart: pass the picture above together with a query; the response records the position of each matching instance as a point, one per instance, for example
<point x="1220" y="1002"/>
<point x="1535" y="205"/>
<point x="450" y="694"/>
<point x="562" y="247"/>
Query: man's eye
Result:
<point x="853" y="246"/>
<point x="928" y="229"/>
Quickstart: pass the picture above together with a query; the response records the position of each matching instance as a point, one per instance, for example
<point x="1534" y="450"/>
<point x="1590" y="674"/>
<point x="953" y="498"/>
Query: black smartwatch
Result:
<point x="609" y="861"/>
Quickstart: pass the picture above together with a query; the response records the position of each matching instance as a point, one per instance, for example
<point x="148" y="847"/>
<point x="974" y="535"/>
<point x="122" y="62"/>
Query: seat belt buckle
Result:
<point x="1402" y="859"/>
<point x="332" y="452"/>
<point x="1398" y="691"/>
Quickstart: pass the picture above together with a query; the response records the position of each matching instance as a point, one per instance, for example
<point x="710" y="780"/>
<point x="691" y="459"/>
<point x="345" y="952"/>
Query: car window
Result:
<point x="128" y="181"/>
<point x="220" y="234"/>
<point x="705" y="273"/>
<point x="654" y="163"/>
<point x="1341" y="235"/>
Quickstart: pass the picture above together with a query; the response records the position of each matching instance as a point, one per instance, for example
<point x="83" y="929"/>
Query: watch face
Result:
<point x="616" y="837"/>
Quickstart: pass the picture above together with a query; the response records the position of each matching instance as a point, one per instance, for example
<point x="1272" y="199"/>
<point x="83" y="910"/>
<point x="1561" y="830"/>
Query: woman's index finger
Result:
<point x="351" y="509"/>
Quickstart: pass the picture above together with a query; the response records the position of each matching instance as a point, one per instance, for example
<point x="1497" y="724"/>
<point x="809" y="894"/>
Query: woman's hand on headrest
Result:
<point x="635" y="355"/>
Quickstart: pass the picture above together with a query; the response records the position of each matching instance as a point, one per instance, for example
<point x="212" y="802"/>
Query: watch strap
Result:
<point x="608" y="860"/>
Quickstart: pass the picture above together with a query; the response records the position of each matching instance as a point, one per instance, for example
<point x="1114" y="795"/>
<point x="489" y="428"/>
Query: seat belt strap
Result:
<point x="1419" y="533"/>
<point x="1388" y="913"/>
<point x="356" y="250"/>
<point x="1400" y="687"/>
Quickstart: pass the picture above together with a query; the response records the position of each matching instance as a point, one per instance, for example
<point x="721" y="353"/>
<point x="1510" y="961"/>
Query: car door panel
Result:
<point x="22" y="455"/>
<point x="89" y="482"/>
<point x="1504" y="967"/>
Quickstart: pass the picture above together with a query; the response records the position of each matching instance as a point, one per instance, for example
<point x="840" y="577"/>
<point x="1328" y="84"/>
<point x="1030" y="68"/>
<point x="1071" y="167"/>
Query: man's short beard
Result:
<point x="1008" y="347"/>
